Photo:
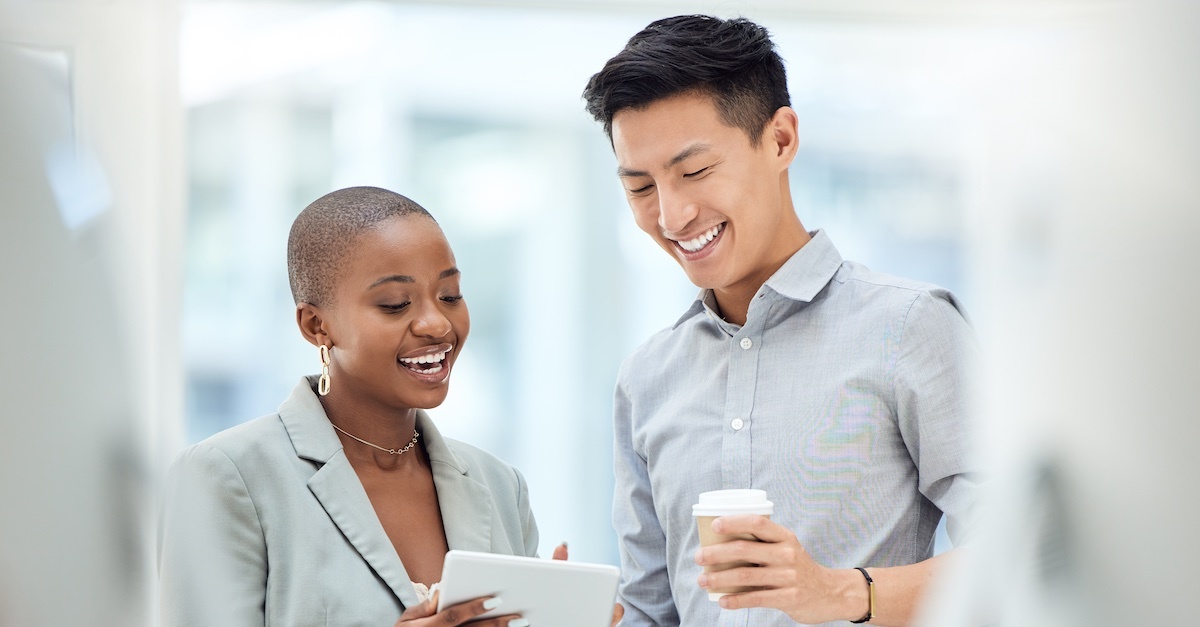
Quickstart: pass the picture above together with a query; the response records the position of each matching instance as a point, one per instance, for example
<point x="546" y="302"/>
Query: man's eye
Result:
<point x="641" y="190"/>
<point x="394" y="308"/>
<point x="696" y="173"/>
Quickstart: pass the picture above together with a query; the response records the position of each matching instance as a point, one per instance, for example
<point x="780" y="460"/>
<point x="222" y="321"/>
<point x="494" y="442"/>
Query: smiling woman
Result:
<point x="348" y="493"/>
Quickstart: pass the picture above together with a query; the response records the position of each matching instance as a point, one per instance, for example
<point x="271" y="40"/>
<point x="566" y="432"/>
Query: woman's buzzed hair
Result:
<point x="324" y="232"/>
<point x="734" y="61"/>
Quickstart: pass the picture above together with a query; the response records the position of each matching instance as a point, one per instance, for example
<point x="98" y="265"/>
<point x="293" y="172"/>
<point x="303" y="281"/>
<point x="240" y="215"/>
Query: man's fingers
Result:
<point x="756" y="576"/>
<point x="758" y="598"/>
<point x="760" y="527"/>
<point x="560" y="551"/>
<point x="760" y="553"/>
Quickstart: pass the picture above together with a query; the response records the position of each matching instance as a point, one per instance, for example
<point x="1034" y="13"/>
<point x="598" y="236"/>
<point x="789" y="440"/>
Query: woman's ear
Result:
<point x="313" y="324"/>
<point x="783" y="135"/>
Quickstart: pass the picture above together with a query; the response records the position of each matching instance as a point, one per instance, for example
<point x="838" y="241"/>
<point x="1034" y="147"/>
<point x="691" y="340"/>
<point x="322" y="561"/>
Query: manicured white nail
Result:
<point x="518" y="622"/>
<point x="492" y="603"/>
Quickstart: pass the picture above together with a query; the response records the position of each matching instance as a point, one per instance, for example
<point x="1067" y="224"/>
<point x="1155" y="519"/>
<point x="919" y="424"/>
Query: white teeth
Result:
<point x="426" y="359"/>
<point x="693" y="245"/>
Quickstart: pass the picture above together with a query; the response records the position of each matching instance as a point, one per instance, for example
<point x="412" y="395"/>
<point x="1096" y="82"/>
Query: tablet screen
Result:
<point x="548" y="593"/>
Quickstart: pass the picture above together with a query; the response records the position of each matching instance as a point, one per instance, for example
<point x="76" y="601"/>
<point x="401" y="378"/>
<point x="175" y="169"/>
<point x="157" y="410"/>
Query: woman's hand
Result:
<point x="426" y="614"/>
<point x="560" y="553"/>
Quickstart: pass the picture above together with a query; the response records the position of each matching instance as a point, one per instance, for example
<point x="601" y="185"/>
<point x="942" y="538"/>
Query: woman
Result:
<point x="338" y="509"/>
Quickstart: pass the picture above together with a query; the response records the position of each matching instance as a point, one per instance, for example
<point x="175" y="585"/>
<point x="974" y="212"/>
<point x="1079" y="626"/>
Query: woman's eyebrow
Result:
<point x="404" y="278"/>
<point x="395" y="278"/>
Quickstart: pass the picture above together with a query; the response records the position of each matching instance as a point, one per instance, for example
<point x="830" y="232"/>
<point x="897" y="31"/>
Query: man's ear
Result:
<point x="313" y="323"/>
<point x="783" y="135"/>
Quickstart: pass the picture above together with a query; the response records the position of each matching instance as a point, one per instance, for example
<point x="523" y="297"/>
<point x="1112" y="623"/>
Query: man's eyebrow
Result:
<point x="684" y="154"/>
<point x="690" y="151"/>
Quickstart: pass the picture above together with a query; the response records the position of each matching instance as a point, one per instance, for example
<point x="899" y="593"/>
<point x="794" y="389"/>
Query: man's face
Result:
<point x="699" y="187"/>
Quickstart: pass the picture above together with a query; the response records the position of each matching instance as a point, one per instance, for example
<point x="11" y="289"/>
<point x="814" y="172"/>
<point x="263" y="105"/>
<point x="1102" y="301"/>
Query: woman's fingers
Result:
<point x="511" y="620"/>
<point x="420" y="610"/>
<point x="618" y="613"/>
<point x="560" y="551"/>
<point x="426" y="615"/>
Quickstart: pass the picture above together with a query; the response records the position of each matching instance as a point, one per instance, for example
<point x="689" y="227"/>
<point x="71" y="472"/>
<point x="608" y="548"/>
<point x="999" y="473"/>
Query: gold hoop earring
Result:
<point x="323" y="382"/>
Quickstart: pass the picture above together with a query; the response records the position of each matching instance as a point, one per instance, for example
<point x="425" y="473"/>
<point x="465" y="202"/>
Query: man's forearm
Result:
<point x="900" y="591"/>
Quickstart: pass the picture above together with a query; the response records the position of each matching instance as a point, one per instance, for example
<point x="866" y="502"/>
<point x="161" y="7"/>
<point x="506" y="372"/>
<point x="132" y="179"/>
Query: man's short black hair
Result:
<point x="322" y="235"/>
<point x="734" y="61"/>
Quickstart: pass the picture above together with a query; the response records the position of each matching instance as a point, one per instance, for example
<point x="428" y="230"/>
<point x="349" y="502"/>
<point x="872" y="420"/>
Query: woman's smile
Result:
<point x="430" y="364"/>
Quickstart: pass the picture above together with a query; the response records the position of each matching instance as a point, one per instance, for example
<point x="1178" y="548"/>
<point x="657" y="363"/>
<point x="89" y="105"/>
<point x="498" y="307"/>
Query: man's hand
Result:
<point x="790" y="580"/>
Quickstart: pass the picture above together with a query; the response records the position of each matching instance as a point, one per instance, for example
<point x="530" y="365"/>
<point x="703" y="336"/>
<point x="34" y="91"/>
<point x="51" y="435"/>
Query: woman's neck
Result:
<point x="361" y="424"/>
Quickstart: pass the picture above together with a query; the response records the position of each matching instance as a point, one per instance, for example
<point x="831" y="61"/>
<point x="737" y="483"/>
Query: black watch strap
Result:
<point x="870" y="597"/>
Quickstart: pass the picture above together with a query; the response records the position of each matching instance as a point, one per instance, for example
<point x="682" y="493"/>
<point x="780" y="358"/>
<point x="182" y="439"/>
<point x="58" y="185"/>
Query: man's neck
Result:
<point x="733" y="302"/>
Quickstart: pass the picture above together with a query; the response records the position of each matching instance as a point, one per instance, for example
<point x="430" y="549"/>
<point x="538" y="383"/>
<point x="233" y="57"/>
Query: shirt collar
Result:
<point x="809" y="270"/>
<point x="800" y="278"/>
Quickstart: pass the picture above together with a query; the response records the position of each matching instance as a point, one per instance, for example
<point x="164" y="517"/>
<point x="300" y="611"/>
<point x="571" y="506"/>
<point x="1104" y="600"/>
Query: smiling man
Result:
<point x="841" y="392"/>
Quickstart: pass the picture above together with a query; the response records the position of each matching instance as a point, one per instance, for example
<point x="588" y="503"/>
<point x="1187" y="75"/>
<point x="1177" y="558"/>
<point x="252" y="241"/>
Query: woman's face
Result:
<point x="398" y="319"/>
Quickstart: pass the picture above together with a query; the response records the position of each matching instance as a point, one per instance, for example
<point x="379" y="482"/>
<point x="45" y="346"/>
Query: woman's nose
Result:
<point x="431" y="322"/>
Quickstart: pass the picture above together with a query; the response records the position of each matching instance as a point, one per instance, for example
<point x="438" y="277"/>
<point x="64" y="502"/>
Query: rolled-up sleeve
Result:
<point x="933" y="378"/>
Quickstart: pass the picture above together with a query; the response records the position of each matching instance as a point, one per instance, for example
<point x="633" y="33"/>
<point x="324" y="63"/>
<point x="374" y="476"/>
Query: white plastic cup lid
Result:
<point x="729" y="502"/>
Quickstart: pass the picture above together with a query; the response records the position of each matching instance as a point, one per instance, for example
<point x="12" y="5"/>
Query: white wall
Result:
<point x="89" y="245"/>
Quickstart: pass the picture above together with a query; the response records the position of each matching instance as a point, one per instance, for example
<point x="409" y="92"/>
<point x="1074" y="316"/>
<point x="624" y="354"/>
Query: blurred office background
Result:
<point x="1035" y="157"/>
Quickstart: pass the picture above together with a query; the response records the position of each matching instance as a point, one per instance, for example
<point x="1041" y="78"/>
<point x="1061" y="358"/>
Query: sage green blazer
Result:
<point x="267" y="523"/>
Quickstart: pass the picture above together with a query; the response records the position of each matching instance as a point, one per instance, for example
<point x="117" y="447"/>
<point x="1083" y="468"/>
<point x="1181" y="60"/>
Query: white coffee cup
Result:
<point x="712" y="505"/>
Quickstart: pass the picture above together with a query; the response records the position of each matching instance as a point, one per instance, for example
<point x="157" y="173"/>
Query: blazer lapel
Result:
<point x="466" y="504"/>
<point x="337" y="487"/>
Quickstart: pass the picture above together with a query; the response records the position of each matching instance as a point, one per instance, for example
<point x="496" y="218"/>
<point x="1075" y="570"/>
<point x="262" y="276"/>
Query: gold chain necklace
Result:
<point x="392" y="451"/>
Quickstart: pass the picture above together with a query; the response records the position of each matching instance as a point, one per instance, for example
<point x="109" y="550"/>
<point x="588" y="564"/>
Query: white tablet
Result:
<point x="548" y="593"/>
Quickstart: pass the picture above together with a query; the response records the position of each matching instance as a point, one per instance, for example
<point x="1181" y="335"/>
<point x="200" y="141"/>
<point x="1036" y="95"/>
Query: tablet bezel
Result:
<point x="545" y="592"/>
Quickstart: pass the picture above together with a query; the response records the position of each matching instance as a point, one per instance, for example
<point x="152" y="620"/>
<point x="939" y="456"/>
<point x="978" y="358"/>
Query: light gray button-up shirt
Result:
<point x="845" y="396"/>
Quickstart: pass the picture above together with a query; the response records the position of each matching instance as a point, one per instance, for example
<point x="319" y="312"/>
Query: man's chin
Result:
<point x="702" y="280"/>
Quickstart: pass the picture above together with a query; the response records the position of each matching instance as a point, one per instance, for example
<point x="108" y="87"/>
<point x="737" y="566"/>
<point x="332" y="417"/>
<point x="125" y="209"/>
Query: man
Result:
<point x="840" y="391"/>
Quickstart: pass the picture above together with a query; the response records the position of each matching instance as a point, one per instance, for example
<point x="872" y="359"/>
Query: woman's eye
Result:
<point x="390" y="308"/>
<point x="696" y="173"/>
<point x="452" y="299"/>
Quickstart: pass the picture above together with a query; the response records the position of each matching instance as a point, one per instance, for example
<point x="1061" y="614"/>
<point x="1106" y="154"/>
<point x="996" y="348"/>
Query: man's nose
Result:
<point x="676" y="211"/>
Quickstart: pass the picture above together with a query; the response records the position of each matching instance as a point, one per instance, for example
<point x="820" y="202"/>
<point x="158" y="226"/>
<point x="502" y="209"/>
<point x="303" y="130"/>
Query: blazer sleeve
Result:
<point x="212" y="553"/>
<point x="529" y="530"/>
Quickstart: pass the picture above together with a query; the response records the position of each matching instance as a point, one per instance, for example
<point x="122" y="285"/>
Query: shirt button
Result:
<point x="737" y="424"/>
<point x="746" y="343"/>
